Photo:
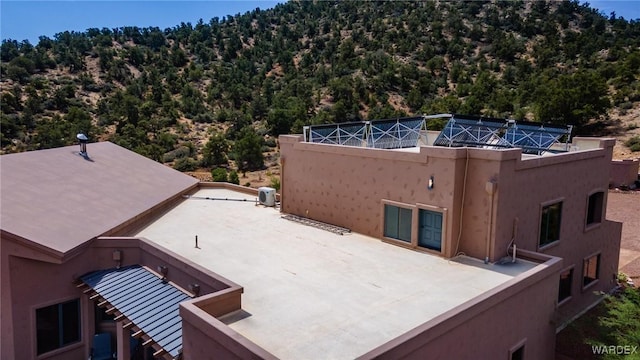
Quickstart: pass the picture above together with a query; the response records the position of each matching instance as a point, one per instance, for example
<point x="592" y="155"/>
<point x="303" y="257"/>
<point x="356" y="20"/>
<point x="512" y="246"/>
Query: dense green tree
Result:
<point x="215" y="151"/>
<point x="233" y="177"/>
<point x="572" y="98"/>
<point x="304" y="63"/>
<point x="620" y="324"/>
<point x="248" y="150"/>
<point x="219" y="175"/>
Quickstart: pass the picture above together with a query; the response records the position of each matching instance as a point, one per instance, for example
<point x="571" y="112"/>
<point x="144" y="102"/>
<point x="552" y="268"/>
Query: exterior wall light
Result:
<point x="163" y="270"/>
<point x="117" y="257"/>
<point x="431" y="183"/>
<point x="195" y="289"/>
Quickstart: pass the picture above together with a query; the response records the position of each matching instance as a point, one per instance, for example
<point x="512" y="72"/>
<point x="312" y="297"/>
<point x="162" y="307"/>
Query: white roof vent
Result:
<point x="82" y="139"/>
<point x="267" y="196"/>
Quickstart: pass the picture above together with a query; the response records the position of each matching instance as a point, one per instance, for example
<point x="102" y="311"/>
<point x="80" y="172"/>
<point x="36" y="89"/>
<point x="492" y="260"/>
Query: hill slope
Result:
<point x="194" y="96"/>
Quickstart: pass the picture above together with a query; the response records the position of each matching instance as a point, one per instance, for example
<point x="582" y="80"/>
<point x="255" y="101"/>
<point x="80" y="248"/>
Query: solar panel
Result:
<point x="350" y="134"/>
<point x="460" y="130"/>
<point x="395" y="133"/>
<point x="533" y="138"/>
<point x="381" y="134"/>
<point x="498" y="133"/>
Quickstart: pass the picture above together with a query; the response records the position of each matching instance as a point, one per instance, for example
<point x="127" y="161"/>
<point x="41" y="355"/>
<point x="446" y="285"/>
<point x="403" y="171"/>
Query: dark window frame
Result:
<point x="517" y="352"/>
<point x="58" y="326"/>
<point x="590" y="266"/>
<point x="565" y="287"/>
<point x="395" y="224"/>
<point x="550" y="223"/>
<point x="595" y="209"/>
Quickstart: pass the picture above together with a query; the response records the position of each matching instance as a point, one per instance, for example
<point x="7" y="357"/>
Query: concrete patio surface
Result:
<point x="309" y="291"/>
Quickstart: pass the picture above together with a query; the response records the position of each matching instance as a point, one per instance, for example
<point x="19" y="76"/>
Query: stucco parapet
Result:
<point x="419" y="155"/>
<point x="225" y="185"/>
<point x="147" y="246"/>
<point x="218" y="331"/>
<point x="464" y="312"/>
<point x="633" y="163"/>
<point x="561" y="158"/>
<point x="291" y="138"/>
<point x="585" y="143"/>
<point x="354" y="151"/>
<point x="624" y="161"/>
<point x="495" y="154"/>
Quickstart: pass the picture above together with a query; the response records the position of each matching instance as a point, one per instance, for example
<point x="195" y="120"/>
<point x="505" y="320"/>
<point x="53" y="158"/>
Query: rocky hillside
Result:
<point x="217" y="93"/>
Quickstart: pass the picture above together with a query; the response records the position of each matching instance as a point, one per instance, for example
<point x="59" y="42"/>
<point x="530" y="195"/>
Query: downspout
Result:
<point x="490" y="188"/>
<point x="464" y="190"/>
<point x="282" y="210"/>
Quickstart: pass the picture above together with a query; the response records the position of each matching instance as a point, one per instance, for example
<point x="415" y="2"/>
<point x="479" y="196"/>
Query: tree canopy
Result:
<point x="159" y="91"/>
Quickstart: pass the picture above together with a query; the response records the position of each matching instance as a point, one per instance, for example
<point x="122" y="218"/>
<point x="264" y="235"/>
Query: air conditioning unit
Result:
<point x="267" y="196"/>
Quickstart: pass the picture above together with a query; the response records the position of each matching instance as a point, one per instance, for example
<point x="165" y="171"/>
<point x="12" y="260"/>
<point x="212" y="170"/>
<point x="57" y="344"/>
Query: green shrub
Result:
<point x="621" y="323"/>
<point x="633" y="143"/>
<point x="185" y="164"/>
<point x="233" y="177"/>
<point x="219" y="175"/>
<point x="179" y="153"/>
<point x="274" y="182"/>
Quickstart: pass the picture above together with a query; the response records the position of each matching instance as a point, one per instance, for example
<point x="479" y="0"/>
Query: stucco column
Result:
<point x="124" y="344"/>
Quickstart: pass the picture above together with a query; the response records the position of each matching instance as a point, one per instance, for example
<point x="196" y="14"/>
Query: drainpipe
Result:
<point x="490" y="188"/>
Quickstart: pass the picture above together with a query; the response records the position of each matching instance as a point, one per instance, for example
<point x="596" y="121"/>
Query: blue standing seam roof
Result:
<point x="147" y="301"/>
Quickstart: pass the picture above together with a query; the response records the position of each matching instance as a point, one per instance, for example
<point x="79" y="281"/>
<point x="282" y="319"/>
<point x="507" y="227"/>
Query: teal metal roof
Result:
<point x="149" y="302"/>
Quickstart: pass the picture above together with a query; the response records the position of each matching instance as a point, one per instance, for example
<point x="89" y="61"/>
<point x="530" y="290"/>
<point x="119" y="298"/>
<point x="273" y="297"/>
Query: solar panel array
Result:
<point x="379" y="134"/>
<point x="460" y="130"/>
<point x="532" y="138"/>
<point x="350" y="134"/>
<point x="395" y="134"/>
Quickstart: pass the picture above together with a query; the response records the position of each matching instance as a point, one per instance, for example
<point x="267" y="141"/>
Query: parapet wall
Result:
<point x="624" y="172"/>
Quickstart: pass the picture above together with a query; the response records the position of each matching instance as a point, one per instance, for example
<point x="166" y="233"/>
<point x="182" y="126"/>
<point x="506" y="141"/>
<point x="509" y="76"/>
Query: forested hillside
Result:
<point x="218" y="92"/>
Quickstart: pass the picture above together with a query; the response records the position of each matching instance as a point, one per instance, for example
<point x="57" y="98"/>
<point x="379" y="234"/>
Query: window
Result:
<point x="57" y="325"/>
<point x="397" y="222"/>
<point x="564" y="288"/>
<point x="550" y="223"/>
<point x="594" y="208"/>
<point x="590" y="269"/>
<point x="517" y="353"/>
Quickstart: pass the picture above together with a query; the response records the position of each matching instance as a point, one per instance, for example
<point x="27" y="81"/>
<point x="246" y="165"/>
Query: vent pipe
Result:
<point x="82" y="139"/>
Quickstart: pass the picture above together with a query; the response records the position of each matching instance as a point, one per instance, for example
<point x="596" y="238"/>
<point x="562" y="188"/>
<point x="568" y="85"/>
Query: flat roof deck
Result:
<point x="308" y="291"/>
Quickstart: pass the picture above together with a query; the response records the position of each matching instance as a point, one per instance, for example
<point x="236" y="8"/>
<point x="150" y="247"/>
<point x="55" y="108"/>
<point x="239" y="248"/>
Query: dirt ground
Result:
<point x="625" y="207"/>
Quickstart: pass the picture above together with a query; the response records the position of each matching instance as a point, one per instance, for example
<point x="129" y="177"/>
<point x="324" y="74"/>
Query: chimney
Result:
<point x="82" y="139"/>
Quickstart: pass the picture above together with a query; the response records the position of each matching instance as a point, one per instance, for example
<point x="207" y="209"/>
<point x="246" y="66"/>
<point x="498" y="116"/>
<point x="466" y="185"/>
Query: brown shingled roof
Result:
<point x="57" y="199"/>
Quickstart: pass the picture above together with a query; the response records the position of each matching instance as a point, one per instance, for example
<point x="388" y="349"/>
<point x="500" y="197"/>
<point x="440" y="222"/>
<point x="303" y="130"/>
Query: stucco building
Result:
<point x="451" y="252"/>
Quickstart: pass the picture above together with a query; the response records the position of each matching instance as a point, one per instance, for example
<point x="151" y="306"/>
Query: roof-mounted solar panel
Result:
<point x="460" y="130"/>
<point x="473" y="132"/>
<point x="532" y="138"/>
<point x="350" y="134"/>
<point x="535" y="138"/>
<point x="395" y="133"/>
<point x="380" y="134"/>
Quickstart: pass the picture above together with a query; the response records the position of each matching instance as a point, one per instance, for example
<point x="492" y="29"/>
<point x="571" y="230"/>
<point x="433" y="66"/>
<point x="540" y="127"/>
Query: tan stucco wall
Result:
<point x="348" y="186"/>
<point x="345" y="186"/>
<point x="524" y="186"/>
<point x="487" y="327"/>
<point x="624" y="172"/>
<point x="29" y="283"/>
<point x="205" y="337"/>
